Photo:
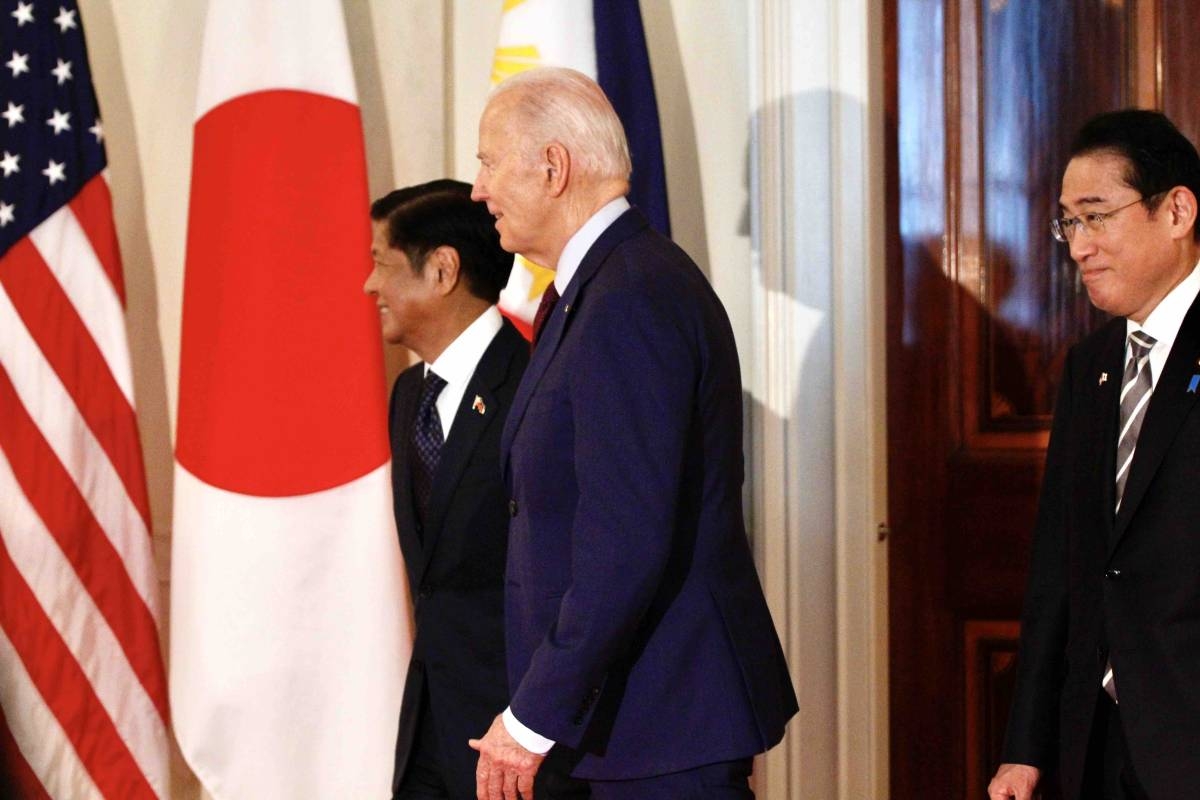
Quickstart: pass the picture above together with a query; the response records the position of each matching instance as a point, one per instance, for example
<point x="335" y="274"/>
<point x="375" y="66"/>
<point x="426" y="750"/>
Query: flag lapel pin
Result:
<point x="1103" y="379"/>
<point x="479" y="406"/>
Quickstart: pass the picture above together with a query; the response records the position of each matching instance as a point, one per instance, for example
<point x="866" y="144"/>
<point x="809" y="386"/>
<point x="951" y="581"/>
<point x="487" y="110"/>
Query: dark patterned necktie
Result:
<point x="549" y="300"/>
<point x="427" y="441"/>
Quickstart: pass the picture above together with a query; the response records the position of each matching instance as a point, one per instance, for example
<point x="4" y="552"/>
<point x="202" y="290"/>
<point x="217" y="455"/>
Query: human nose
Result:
<point x="479" y="188"/>
<point x="1083" y="243"/>
<point x="370" y="283"/>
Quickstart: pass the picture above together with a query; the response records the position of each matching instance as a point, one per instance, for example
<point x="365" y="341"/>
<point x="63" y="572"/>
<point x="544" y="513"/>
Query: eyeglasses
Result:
<point x="1064" y="228"/>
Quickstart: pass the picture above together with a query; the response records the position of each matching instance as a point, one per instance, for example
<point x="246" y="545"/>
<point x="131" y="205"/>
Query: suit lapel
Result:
<point x="404" y="411"/>
<point x="480" y="406"/>
<point x="626" y="225"/>
<point x="1102" y="384"/>
<point x="1172" y="400"/>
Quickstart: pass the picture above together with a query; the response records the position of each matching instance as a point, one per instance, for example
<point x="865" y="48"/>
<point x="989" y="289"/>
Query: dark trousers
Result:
<point x="727" y="780"/>
<point x="1108" y="773"/>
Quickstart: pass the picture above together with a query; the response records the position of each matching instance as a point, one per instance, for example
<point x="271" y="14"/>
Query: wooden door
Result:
<point x="984" y="98"/>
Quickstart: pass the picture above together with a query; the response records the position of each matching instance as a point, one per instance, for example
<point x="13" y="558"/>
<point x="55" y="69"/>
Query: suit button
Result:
<point x="512" y="508"/>
<point x="595" y="693"/>
<point x="1112" y="574"/>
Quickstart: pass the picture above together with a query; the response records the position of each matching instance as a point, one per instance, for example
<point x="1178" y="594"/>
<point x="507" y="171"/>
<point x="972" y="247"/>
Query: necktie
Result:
<point x="1136" y="387"/>
<point x="549" y="299"/>
<point x="426" y="442"/>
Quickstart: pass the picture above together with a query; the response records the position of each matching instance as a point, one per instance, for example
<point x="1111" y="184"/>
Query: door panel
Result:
<point x="983" y="99"/>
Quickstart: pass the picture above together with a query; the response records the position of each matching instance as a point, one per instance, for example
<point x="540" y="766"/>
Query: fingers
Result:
<point x="481" y="781"/>
<point x="525" y="785"/>
<point x="510" y="785"/>
<point x="495" y="783"/>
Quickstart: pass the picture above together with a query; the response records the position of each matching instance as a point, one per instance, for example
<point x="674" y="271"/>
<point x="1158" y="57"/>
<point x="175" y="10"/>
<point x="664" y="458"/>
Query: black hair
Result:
<point x="1158" y="157"/>
<point x="441" y="213"/>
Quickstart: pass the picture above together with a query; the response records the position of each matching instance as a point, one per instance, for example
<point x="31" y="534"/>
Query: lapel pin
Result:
<point x="1195" y="382"/>
<point x="567" y="308"/>
<point x="479" y="406"/>
<point x="1103" y="379"/>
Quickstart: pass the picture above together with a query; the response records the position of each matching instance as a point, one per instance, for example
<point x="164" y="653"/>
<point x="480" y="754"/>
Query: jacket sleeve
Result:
<point x="632" y="401"/>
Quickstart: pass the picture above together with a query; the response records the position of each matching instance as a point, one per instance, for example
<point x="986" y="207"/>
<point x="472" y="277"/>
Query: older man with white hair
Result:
<point x="639" y="642"/>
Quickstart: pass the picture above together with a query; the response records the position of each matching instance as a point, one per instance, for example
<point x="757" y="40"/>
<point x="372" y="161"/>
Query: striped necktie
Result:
<point x="1136" y="387"/>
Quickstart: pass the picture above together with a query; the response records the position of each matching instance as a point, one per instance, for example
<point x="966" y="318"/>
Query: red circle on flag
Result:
<point x="281" y="378"/>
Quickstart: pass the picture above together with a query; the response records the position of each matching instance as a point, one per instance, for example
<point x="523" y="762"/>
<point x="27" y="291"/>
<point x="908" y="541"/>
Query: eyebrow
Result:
<point x="1090" y="200"/>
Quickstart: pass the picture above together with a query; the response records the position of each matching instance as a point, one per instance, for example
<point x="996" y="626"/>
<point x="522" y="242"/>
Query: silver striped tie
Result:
<point x="1136" y="388"/>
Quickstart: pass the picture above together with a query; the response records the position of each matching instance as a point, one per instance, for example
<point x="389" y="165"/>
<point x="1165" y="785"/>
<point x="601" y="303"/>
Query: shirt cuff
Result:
<point x="531" y="741"/>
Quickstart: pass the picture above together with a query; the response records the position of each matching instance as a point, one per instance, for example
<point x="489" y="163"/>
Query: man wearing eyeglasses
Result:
<point x="1108" y="682"/>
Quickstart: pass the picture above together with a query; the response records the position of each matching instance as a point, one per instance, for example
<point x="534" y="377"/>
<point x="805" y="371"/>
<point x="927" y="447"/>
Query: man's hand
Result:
<point x="1011" y="781"/>
<point x="505" y="768"/>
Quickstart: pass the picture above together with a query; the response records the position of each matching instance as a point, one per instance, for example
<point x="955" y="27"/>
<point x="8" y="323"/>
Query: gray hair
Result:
<point x="564" y="105"/>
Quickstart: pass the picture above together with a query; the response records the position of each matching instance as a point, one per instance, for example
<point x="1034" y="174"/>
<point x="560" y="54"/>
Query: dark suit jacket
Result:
<point x="456" y="569"/>
<point x="637" y="629"/>
<point x="1127" y="585"/>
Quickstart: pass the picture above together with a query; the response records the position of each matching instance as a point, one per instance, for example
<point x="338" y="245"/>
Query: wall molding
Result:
<point x="816" y="405"/>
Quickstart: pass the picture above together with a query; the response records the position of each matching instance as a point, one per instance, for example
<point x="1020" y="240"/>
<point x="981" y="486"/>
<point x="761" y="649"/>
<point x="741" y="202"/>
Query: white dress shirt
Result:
<point x="1164" y="322"/>
<point x="457" y="363"/>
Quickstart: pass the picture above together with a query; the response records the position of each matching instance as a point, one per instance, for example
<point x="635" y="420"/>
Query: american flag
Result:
<point x="82" y="688"/>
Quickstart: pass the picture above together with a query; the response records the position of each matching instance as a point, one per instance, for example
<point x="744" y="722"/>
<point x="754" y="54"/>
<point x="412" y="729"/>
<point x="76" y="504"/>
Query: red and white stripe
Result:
<point x="289" y="630"/>
<point x="82" y="686"/>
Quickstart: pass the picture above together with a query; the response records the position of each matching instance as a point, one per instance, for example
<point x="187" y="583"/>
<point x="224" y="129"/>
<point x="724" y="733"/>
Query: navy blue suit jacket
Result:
<point x="636" y="627"/>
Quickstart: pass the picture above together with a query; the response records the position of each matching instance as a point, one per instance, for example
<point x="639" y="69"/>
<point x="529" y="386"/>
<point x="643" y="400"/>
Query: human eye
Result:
<point x="1093" y="219"/>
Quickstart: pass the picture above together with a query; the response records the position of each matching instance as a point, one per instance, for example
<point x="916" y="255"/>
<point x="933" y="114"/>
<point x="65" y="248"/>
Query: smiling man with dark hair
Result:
<point x="1108" y="684"/>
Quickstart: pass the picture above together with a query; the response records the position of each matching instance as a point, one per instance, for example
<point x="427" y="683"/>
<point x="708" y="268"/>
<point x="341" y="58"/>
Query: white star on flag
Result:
<point x="97" y="130"/>
<point x="6" y="213"/>
<point x="23" y="14"/>
<point x="56" y="171"/>
<point x="65" y="19"/>
<point x="18" y="63"/>
<point x="14" y="114"/>
<point x="62" y="71"/>
<point x="60" y="121"/>
<point x="10" y="163"/>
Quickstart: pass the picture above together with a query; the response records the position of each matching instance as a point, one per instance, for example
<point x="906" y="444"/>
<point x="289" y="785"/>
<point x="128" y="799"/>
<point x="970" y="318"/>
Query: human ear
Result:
<point x="557" y="164"/>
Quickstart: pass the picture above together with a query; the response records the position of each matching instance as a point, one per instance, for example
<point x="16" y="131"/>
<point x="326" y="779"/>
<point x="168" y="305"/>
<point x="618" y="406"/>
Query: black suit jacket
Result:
<point x="1125" y="585"/>
<point x="456" y="568"/>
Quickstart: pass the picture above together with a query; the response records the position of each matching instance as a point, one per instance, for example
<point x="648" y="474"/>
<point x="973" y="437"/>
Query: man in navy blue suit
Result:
<point x="637" y="633"/>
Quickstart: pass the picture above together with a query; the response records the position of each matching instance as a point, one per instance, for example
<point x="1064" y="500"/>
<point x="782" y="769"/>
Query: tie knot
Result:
<point x="433" y="386"/>
<point x="1141" y="343"/>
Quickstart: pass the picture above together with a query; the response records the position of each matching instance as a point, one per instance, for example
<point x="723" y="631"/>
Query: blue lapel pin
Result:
<point x="1195" y="382"/>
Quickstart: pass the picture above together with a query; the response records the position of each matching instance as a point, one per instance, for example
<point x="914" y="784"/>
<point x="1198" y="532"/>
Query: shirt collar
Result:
<point x="582" y="241"/>
<point x="1167" y="317"/>
<point x="457" y="362"/>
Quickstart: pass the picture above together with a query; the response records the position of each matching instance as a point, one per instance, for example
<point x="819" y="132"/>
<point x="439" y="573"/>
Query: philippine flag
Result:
<point x="605" y="40"/>
<point x="289" y="622"/>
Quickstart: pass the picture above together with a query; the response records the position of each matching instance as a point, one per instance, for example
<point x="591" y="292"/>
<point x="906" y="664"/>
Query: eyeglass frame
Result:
<point x="1092" y="220"/>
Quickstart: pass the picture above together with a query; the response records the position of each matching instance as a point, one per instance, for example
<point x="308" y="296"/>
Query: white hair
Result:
<point x="564" y="105"/>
